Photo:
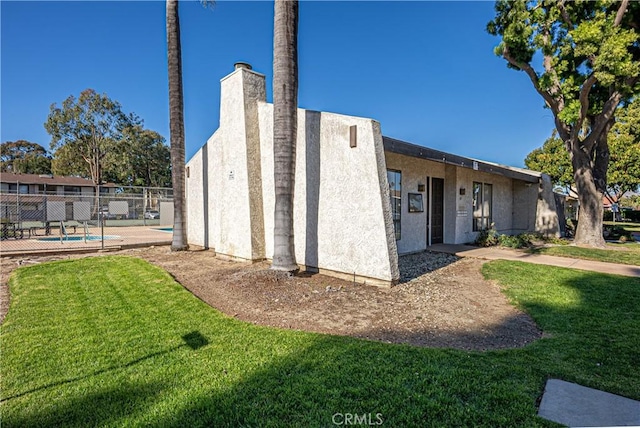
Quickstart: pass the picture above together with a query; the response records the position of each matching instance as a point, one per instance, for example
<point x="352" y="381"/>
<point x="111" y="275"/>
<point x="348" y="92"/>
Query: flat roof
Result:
<point x="56" y="180"/>
<point x="408" y="149"/>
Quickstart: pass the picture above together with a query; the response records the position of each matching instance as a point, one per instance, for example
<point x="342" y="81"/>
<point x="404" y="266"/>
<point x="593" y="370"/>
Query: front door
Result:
<point x="437" y="210"/>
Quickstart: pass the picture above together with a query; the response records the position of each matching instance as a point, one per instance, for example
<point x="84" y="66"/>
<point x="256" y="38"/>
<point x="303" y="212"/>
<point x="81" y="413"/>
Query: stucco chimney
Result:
<point x="238" y="90"/>
<point x="244" y="65"/>
<point x="240" y="93"/>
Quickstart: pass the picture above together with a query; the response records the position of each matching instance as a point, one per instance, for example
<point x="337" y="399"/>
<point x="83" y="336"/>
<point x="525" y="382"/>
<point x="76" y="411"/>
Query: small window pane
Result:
<point x="395" y="195"/>
<point x="482" y="206"/>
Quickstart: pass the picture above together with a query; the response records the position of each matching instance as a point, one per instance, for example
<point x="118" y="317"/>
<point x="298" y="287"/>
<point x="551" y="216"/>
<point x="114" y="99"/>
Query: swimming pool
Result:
<point x="165" y="229"/>
<point x="78" y="238"/>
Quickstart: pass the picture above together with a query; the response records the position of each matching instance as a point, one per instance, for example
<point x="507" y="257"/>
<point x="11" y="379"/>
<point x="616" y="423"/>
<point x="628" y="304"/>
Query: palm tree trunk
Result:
<point x="285" y="123"/>
<point x="176" y="126"/>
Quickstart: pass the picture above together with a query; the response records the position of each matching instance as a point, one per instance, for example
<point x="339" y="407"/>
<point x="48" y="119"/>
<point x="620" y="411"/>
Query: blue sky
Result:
<point x="425" y="70"/>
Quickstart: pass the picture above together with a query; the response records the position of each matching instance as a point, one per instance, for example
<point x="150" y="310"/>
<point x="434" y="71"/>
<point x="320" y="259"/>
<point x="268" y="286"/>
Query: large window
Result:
<point x="395" y="193"/>
<point x="22" y="189"/>
<point x="72" y="190"/>
<point x="482" y="206"/>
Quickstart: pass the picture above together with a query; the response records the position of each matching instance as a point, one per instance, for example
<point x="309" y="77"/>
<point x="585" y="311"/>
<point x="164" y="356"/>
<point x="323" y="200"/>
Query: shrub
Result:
<point x="556" y="241"/>
<point x="488" y="237"/>
<point x="615" y="232"/>
<point x="522" y="240"/>
<point x="633" y="216"/>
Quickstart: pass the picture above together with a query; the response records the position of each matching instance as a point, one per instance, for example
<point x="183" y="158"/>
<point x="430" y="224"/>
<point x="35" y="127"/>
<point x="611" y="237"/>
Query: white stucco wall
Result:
<point x="525" y="196"/>
<point x="342" y="218"/>
<point x="413" y="236"/>
<point x="342" y="214"/>
<point x="458" y="209"/>
<point x="546" y="216"/>
<point x="502" y="203"/>
<point x="339" y="219"/>
<point x="194" y="201"/>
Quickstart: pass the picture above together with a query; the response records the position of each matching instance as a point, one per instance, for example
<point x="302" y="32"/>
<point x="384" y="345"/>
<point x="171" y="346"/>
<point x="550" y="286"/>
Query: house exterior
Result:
<point x="361" y="198"/>
<point x="23" y="197"/>
<point x="32" y="184"/>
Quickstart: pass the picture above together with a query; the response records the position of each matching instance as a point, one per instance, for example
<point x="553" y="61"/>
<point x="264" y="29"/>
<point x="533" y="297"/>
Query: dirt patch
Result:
<point x="442" y="301"/>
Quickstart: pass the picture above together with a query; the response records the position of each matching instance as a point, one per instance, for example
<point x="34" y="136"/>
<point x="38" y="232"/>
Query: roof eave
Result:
<point x="408" y="149"/>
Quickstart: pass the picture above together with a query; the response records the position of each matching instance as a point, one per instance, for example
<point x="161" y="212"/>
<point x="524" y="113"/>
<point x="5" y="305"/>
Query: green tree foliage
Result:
<point x="88" y="127"/>
<point x="631" y="201"/>
<point x="67" y="161"/>
<point x="24" y="157"/>
<point x="552" y="159"/>
<point x="93" y="138"/>
<point x="623" y="174"/>
<point x="590" y="53"/>
<point x="141" y="158"/>
<point x="624" y="138"/>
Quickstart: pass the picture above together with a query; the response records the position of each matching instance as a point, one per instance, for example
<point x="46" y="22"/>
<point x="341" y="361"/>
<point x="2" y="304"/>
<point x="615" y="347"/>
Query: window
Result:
<point x="71" y="190"/>
<point x="22" y="189"/>
<point x="395" y="193"/>
<point x="482" y="206"/>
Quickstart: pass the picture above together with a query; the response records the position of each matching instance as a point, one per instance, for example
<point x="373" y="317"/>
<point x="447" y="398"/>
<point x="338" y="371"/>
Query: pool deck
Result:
<point x="127" y="237"/>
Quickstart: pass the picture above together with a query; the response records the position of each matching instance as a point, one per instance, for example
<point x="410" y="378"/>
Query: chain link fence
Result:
<point x="54" y="221"/>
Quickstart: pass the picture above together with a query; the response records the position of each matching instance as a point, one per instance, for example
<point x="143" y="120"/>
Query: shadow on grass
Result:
<point x="317" y="380"/>
<point x="398" y="385"/>
<point x="193" y="340"/>
<point x="94" y="408"/>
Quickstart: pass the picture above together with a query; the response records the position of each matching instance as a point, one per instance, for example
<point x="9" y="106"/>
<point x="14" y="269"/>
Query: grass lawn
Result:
<point x="112" y="341"/>
<point x="627" y="253"/>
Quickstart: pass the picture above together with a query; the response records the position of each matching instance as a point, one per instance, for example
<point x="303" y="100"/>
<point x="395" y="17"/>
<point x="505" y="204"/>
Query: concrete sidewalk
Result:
<point x="497" y="253"/>
<point x="578" y="406"/>
<point x="564" y="402"/>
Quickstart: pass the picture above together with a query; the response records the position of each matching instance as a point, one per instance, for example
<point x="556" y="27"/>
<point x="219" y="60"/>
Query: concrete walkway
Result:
<point x="564" y="402"/>
<point x="497" y="253"/>
<point x="578" y="406"/>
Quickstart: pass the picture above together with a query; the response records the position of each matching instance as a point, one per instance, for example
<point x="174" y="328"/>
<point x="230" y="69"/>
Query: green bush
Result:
<point x="615" y="232"/>
<point x="633" y="216"/>
<point x="522" y="240"/>
<point x="555" y="240"/>
<point x="490" y="237"/>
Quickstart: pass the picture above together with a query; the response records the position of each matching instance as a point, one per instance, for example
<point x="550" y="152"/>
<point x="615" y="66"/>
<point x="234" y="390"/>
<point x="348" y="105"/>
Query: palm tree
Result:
<point x="285" y="123"/>
<point x="176" y="125"/>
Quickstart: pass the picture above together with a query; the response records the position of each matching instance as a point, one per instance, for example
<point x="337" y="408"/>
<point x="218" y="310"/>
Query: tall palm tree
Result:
<point x="285" y="123"/>
<point x="176" y="126"/>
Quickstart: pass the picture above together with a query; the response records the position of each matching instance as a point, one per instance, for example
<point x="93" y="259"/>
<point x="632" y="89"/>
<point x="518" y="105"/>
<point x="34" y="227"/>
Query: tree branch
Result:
<point x="601" y="157"/>
<point x="553" y="104"/>
<point x="602" y="122"/>
<point x="547" y="60"/>
<point x="632" y="81"/>
<point x="621" y="11"/>
<point x="584" y="104"/>
<point x="564" y="14"/>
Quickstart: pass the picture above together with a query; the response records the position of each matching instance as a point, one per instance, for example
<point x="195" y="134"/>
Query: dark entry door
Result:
<point x="437" y="210"/>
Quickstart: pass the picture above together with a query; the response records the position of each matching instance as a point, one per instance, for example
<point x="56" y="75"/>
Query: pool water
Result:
<point x="165" y="229"/>
<point x="78" y="238"/>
